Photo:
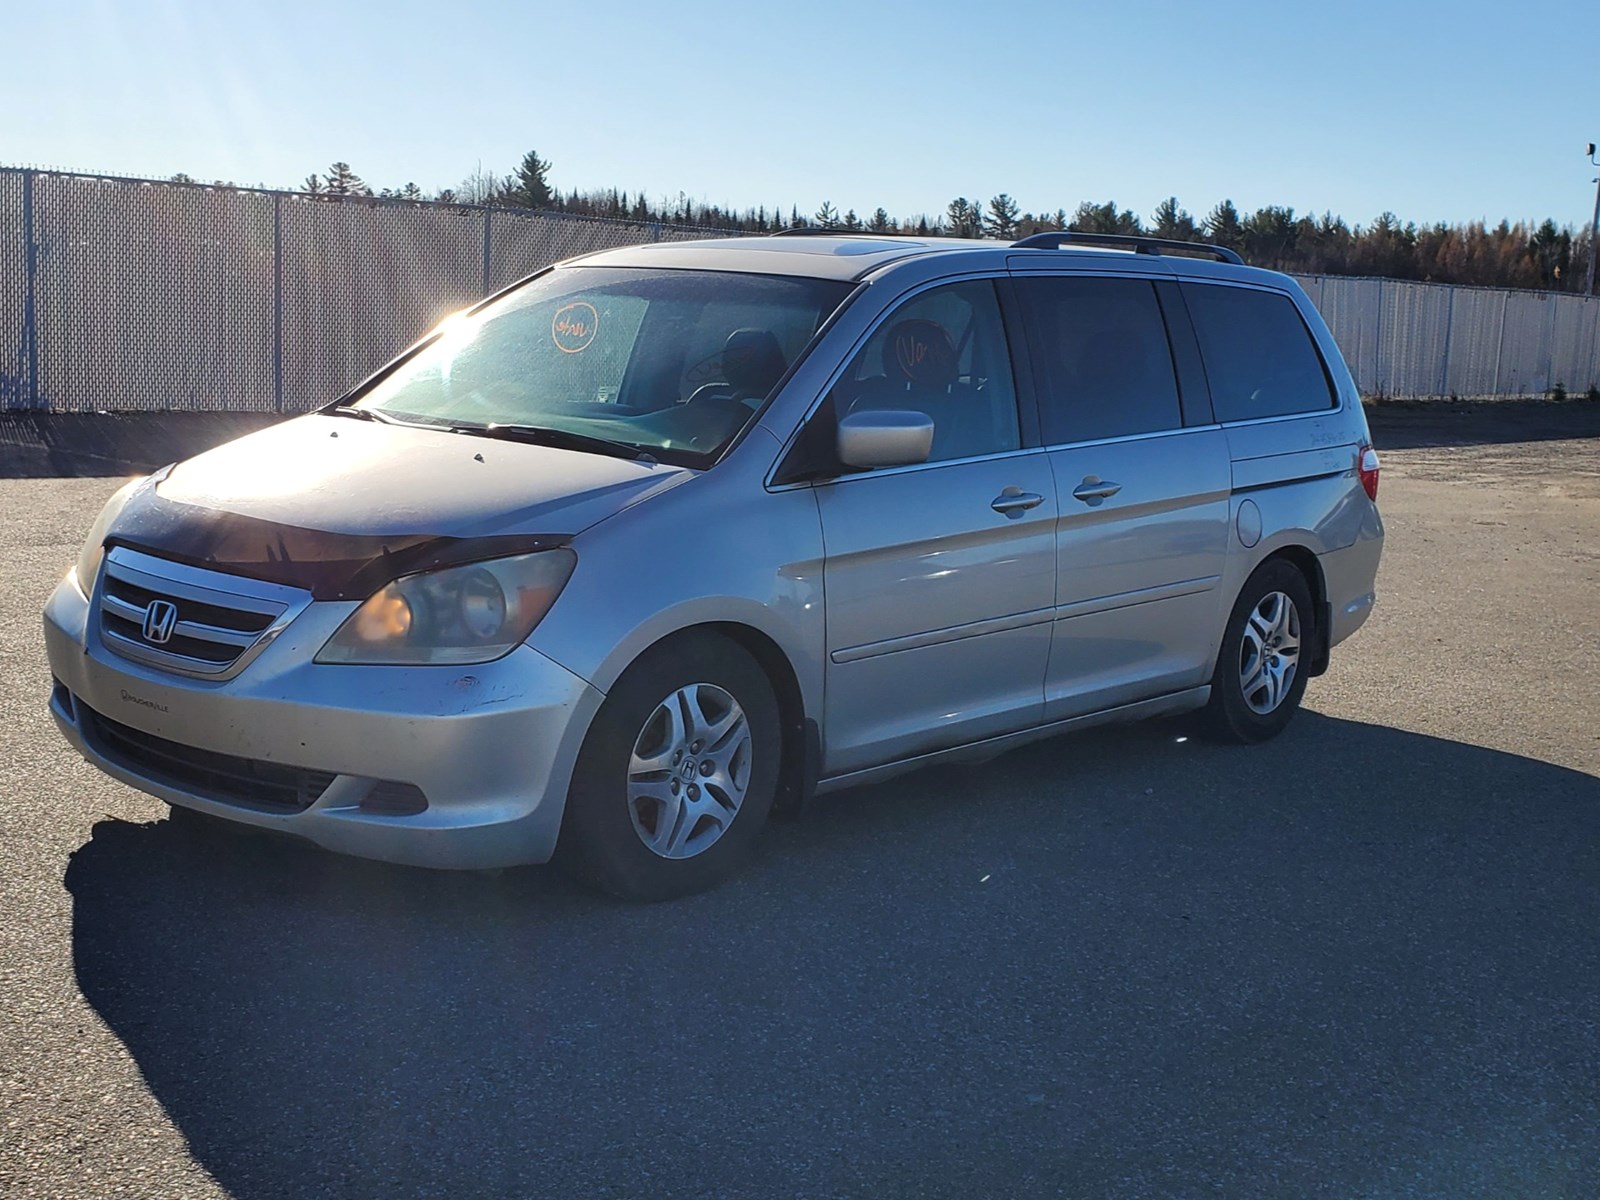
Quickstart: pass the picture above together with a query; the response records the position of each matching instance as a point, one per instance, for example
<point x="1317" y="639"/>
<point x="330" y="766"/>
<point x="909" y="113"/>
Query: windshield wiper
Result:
<point x="361" y="414"/>
<point x="539" y="435"/>
<point x="561" y="439"/>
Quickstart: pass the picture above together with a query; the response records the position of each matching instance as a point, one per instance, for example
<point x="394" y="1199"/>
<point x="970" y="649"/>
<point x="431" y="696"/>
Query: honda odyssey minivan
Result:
<point x="609" y="565"/>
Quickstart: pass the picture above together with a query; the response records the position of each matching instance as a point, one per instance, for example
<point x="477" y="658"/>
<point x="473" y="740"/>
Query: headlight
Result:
<point x="94" y="546"/>
<point x="467" y="614"/>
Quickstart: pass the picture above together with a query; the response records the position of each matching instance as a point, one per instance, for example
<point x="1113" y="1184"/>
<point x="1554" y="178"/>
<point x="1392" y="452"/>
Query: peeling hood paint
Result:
<point x="339" y="475"/>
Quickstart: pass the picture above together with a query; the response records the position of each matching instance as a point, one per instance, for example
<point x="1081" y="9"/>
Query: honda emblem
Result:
<point x="160" y="618"/>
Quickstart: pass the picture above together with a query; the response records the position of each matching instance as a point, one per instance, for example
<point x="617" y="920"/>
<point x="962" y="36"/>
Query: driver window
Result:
<point x="942" y="353"/>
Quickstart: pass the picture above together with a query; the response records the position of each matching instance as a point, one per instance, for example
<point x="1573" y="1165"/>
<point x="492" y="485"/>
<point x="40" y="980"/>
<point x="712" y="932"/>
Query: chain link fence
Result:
<point x="129" y="295"/>
<point x="126" y="295"/>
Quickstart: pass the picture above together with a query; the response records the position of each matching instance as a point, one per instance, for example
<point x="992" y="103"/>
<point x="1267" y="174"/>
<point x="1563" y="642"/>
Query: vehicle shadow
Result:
<point x="1356" y="961"/>
<point x="1415" y="425"/>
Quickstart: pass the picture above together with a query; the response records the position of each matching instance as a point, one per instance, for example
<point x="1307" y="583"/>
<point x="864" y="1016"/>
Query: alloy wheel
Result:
<point x="689" y="771"/>
<point x="1269" y="654"/>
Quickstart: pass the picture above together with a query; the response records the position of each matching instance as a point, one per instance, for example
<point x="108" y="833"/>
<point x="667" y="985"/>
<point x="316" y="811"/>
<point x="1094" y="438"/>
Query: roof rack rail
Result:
<point x="1139" y="245"/>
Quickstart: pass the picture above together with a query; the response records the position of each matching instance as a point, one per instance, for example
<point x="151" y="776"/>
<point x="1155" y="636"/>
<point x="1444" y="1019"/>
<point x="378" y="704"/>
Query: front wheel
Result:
<point x="1260" y="675"/>
<point x="677" y="774"/>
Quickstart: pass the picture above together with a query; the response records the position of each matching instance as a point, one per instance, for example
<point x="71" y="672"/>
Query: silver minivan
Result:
<point x="609" y="565"/>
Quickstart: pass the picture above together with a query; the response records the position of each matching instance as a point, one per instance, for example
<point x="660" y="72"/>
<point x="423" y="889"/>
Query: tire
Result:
<point x="655" y="811"/>
<point x="1258" y="630"/>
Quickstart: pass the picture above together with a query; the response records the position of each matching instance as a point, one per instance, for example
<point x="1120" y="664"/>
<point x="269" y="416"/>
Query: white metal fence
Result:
<point x="1431" y="339"/>
<point x="128" y="295"/>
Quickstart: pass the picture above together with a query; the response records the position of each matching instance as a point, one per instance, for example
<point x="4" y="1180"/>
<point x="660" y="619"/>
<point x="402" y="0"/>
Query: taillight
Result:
<point x="1367" y="466"/>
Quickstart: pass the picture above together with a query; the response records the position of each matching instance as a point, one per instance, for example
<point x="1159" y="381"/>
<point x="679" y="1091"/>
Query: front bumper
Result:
<point x="491" y="746"/>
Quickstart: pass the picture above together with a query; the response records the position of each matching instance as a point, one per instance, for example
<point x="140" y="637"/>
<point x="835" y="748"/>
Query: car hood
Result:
<point x="338" y="475"/>
<point x="339" y="507"/>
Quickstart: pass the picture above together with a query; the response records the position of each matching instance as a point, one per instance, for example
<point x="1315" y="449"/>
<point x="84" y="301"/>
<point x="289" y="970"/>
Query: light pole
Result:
<point x="1593" y="223"/>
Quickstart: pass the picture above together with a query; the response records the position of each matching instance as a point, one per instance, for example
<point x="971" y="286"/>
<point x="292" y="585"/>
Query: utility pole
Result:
<point x="1594" y="222"/>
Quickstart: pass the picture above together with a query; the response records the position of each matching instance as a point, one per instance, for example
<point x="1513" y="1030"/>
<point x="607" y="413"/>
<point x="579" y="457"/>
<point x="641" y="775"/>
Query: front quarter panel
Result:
<point x="719" y="548"/>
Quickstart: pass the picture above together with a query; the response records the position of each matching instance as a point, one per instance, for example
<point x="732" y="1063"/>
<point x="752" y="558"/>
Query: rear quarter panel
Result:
<point x="1300" y="474"/>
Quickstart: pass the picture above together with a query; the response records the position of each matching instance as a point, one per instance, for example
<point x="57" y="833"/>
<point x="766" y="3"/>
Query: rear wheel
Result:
<point x="1261" y="669"/>
<point x="677" y="774"/>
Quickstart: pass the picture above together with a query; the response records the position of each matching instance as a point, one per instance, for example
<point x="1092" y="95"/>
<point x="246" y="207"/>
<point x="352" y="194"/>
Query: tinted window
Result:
<point x="942" y="353"/>
<point x="676" y="362"/>
<point x="1103" y="362"/>
<point x="1259" y="356"/>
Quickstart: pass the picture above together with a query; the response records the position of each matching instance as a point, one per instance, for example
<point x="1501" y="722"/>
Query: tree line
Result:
<point x="1519" y="255"/>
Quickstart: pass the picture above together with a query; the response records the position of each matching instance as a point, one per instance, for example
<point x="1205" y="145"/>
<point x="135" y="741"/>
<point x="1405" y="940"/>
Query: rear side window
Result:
<point x="1259" y="356"/>
<point x="1103" y="363"/>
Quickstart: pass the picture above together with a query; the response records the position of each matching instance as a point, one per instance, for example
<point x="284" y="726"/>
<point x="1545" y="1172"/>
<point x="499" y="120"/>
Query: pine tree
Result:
<point x="851" y="221"/>
<point x="1106" y="218"/>
<point x="529" y="185"/>
<point x="1223" y="226"/>
<point x="342" y="181"/>
<point x="827" y="217"/>
<point x="1001" y="221"/>
<point x="1269" y="236"/>
<point x="1171" y="221"/>
<point x="1551" y="251"/>
<point x="963" y="218"/>
<point x="879" y="222"/>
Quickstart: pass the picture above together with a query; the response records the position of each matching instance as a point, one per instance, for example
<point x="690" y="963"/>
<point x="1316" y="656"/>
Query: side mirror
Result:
<point x="885" y="438"/>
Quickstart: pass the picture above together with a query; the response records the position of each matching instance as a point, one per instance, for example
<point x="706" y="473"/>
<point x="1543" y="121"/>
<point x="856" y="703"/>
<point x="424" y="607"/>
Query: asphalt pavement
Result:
<point x="1360" y="961"/>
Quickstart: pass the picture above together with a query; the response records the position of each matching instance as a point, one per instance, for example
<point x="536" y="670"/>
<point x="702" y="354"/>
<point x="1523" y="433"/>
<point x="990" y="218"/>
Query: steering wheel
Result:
<point x="710" y="393"/>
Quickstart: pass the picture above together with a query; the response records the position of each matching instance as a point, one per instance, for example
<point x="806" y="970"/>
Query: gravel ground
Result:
<point x="1358" y="962"/>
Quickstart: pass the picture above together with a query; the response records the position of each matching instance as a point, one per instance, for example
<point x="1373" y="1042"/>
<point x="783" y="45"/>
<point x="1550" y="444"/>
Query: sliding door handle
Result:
<point x="1093" y="490"/>
<point x="1013" y="502"/>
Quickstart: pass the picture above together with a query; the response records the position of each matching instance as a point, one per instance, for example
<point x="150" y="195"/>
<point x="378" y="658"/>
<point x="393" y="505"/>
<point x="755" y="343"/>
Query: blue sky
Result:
<point x="1434" y="111"/>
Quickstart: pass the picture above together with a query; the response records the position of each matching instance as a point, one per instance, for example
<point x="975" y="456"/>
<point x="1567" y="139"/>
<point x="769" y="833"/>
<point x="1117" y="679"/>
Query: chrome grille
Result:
<point x="220" y="621"/>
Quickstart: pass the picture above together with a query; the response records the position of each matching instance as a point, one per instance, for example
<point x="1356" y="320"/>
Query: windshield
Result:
<point x="673" y="362"/>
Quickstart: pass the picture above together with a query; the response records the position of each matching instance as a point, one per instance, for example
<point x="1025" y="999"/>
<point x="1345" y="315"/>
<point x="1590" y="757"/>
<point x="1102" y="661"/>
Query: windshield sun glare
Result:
<point x="672" y="363"/>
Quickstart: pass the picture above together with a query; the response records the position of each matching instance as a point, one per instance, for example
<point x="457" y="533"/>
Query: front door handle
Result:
<point x="1013" y="502"/>
<point x="1093" y="490"/>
